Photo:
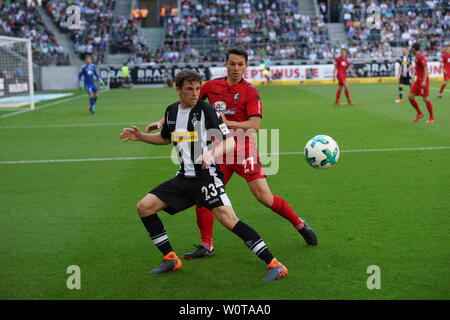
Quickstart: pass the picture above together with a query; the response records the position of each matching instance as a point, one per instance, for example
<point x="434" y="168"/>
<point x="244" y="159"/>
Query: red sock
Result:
<point x="347" y="94"/>
<point x="442" y="88"/>
<point x="338" y="95"/>
<point x="205" y="222"/>
<point x="430" y="109"/>
<point x="415" y="105"/>
<point x="281" y="207"/>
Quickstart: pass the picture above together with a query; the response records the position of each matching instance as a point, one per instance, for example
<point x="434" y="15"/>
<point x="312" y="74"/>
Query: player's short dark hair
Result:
<point x="187" y="75"/>
<point x="416" y="46"/>
<point x="239" y="52"/>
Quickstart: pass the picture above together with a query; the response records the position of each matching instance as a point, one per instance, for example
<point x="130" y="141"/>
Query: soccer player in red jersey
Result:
<point x="239" y="104"/>
<point x="341" y="65"/>
<point x="421" y="86"/>
<point x="445" y="66"/>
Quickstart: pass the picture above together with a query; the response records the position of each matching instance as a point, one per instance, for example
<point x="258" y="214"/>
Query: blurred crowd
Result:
<point x="22" y="21"/>
<point x="203" y="29"/>
<point x="403" y="22"/>
<point x="97" y="18"/>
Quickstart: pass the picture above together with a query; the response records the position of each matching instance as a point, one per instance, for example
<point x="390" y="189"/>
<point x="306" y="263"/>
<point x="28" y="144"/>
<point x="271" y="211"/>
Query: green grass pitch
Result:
<point x="385" y="208"/>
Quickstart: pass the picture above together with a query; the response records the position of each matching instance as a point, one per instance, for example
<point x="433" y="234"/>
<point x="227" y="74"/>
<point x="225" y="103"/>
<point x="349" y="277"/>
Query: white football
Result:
<point x="322" y="152"/>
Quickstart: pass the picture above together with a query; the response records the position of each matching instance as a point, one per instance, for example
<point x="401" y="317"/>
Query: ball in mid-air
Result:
<point x="322" y="152"/>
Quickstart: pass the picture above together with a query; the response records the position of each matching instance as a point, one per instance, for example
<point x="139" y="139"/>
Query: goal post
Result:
<point x="16" y="73"/>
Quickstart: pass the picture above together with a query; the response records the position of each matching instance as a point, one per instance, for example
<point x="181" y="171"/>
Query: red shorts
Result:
<point x="342" y="80"/>
<point x="418" y="90"/>
<point x="250" y="169"/>
<point x="447" y="75"/>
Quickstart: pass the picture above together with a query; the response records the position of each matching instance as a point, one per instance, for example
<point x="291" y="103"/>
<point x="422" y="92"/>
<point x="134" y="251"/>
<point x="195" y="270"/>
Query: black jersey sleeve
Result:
<point x="165" y="131"/>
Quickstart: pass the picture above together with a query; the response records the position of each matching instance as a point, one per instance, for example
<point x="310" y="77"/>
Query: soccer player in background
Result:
<point x="199" y="180"/>
<point x="89" y="73"/>
<point x="266" y="74"/>
<point x="421" y="86"/>
<point x="445" y="66"/>
<point x="405" y="62"/>
<point x="341" y="65"/>
<point x="240" y="106"/>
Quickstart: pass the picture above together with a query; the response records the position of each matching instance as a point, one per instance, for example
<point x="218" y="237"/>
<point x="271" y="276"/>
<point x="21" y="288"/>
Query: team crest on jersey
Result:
<point x="236" y="97"/>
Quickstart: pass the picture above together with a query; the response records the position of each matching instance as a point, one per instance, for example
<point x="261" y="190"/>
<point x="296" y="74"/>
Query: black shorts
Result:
<point x="181" y="193"/>
<point x="405" y="80"/>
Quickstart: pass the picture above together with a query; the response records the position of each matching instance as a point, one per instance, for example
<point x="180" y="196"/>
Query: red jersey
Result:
<point x="342" y="65"/>
<point x="421" y="64"/>
<point x="445" y="59"/>
<point x="237" y="102"/>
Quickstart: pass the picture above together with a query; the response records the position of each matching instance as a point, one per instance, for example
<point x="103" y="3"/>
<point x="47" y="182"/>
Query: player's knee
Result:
<point x="144" y="208"/>
<point x="265" y="198"/>
<point x="226" y="216"/>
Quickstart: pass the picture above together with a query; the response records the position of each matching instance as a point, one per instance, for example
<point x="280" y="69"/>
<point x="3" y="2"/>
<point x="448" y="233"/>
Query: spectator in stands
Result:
<point x="18" y="19"/>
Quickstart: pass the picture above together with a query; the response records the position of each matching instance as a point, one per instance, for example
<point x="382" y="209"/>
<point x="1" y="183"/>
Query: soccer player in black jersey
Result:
<point x="191" y="125"/>
<point x="405" y="78"/>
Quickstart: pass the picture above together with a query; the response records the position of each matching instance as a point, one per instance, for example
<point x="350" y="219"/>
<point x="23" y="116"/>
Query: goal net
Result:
<point x="16" y="73"/>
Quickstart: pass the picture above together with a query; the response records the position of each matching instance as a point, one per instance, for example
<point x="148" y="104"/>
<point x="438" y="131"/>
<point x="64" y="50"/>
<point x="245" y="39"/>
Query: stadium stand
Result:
<point x="96" y="25"/>
<point x="403" y="23"/>
<point x="17" y="19"/>
<point x="203" y="30"/>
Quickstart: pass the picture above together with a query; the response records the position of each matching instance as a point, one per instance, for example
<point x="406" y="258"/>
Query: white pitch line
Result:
<point x="40" y="107"/>
<point x="46" y="105"/>
<point x="168" y="157"/>
<point x="75" y="125"/>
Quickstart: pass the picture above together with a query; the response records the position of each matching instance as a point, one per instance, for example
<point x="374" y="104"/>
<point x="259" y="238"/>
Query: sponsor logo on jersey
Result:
<point x="187" y="136"/>
<point x="220" y="106"/>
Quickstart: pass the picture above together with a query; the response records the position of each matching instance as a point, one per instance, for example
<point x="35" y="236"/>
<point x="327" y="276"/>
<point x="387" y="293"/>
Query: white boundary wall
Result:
<point x="59" y="77"/>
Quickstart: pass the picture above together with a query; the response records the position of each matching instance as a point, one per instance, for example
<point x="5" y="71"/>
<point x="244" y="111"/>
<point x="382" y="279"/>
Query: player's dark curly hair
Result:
<point x="239" y="52"/>
<point x="416" y="46"/>
<point x="187" y="75"/>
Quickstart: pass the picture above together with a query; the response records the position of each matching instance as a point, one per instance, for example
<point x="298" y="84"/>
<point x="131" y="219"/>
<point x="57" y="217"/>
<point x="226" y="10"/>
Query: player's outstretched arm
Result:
<point x="135" y="134"/>
<point x="252" y="124"/>
<point x="155" y="125"/>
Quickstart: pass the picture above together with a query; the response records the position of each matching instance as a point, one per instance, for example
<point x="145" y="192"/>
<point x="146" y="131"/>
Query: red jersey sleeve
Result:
<point x="254" y="105"/>
<point x="204" y="90"/>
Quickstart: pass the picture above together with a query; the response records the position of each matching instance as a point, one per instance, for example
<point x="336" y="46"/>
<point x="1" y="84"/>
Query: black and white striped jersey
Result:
<point x="191" y="130"/>
<point x="405" y="65"/>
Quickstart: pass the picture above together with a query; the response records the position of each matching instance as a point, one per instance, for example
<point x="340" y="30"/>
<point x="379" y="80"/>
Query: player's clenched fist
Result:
<point x="132" y="133"/>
